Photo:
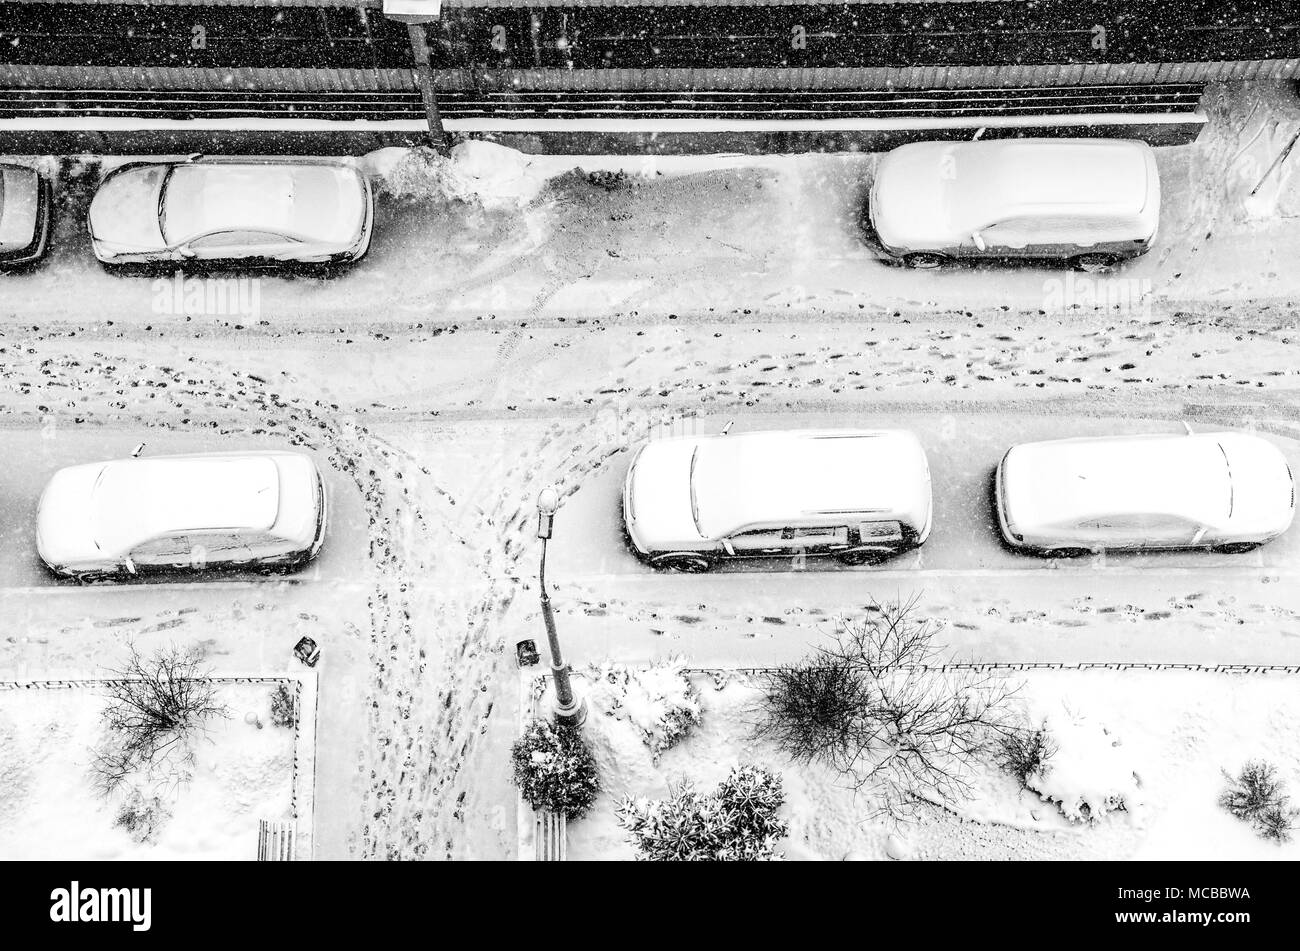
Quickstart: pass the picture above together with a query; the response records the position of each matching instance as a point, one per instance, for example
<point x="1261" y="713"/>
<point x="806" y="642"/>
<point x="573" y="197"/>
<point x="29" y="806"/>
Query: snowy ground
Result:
<point x="1176" y="730"/>
<point x="518" y="324"/>
<point x="49" y="808"/>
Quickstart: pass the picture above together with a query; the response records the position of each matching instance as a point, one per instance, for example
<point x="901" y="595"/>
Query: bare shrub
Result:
<point x="1256" y="795"/>
<point x="874" y="706"/>
<point x="158" y="707"/>
<point x="1026" y="754"/>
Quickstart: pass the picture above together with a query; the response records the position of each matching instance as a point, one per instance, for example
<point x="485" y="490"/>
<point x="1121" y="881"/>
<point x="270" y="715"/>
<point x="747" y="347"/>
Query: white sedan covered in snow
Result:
<point x="225" y="210"/>
<point x="212" y="510"/>
<point x="1092" y="202"/>
<point x="1230" y="491"/>
<point x="856" y="494"/>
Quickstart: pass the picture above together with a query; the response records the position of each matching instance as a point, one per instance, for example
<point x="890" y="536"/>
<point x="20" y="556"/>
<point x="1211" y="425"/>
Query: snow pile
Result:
<point x="1254" y="130"/>
<point x="477" y="172"/>
<point x="660" y="701"/>
<point x="1090" y="774"/>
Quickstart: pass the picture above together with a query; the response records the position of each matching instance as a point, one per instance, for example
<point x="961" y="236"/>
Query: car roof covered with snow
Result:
<point x="135" y="500"/>
<point x="19" y="206"/>
<point x="318" y="202"/>
<point x="1064" y="482"/>
<point x="793" y="477"/>
<point x="1005" y="178"/>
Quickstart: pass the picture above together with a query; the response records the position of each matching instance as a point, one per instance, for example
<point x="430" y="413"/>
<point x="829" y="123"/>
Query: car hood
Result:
<point x="20" y="190"/>
<point x="1263" y="492"/>
<point x="64" y="522"/>
<point x="907" y="207"/>
<point x="124" y="212"/>
<point x="658" y="496"/>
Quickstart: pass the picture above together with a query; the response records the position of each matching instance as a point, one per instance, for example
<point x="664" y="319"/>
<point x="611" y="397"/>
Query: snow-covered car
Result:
<point x="199" y="511"/>
<point x="1230" y="491"/>
<point x="860" y="495"/>
<point x="214" y="210"/>
<point x="1091" y="202"/>
<point x="25" y="200"/>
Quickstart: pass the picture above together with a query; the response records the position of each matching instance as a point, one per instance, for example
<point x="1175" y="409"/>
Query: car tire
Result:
<point x="1235" y="548"/>
<point x="684" y="562"/>
<point x="1096" y="262"/>
<point x="924" y="260"/>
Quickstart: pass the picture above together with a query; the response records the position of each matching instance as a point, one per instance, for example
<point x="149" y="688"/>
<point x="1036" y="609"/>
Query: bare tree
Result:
<point x="157" y="707"/>
<point x="877" y="706"/>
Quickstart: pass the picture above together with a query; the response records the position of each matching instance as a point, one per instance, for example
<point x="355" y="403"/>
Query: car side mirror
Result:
<point x="129" y="564"/>
<point x="729" y="548"/>
<point x="979" y="240"/>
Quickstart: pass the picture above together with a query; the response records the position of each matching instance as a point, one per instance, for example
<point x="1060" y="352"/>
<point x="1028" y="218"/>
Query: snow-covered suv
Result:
<point x="855" y="494"/>
<point x="1092" y="202"/>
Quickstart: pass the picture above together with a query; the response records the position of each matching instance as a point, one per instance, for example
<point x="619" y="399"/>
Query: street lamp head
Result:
<point x="548" y="500"/>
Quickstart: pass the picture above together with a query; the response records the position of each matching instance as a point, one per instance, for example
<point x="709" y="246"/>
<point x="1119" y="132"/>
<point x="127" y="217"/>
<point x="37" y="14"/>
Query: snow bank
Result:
<point x="1091" y="773"/>
<point x="476" y="171"/>
<point x="660" y="701"/>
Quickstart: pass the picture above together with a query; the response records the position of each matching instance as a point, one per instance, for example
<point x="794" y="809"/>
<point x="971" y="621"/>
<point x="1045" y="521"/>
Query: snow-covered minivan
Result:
<point x="858" y="495"/>
<point x="1089" y="202"/>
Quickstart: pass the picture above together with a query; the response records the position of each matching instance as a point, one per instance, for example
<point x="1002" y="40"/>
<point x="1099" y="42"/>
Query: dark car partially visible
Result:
<point x="25" y="199"/>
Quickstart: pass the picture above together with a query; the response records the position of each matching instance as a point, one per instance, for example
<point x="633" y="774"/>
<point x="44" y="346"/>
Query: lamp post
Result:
<point x="568" y="710"/>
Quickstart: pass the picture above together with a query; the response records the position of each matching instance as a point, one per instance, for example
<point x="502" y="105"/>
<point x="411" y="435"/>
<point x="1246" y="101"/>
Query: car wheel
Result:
<point x="924" y="260"/>
<point x="684" y="562"/>
<point x="1095" y="263"/>
<point x="1235" y="548"/>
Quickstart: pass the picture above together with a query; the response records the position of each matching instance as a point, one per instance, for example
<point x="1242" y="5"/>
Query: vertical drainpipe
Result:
<point x="424" y="74"/>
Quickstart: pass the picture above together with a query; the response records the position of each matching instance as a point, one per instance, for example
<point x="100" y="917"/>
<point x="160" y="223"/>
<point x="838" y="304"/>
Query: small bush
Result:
<point x="283" y="712"/>
<point x="1027" y="754"/>
<point x="610" y="181"/>
<point x="554" y="769"/>
<point x="1257" y="796"/>
<point x="736" y="822"/>
<point x="142" y="816"/>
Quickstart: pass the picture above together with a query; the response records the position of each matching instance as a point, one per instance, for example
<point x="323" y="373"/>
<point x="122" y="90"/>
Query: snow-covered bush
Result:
<point x="734" y="823"/>
<point x="282" y="707"/>
<point x="659" y="700"/>
<point x="1256" y="795"/>
<point x="1026" y="753"/>
<point x="142" y="816"/>
<point x="1091" y="773"/>
<point x="554" y="769"/>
